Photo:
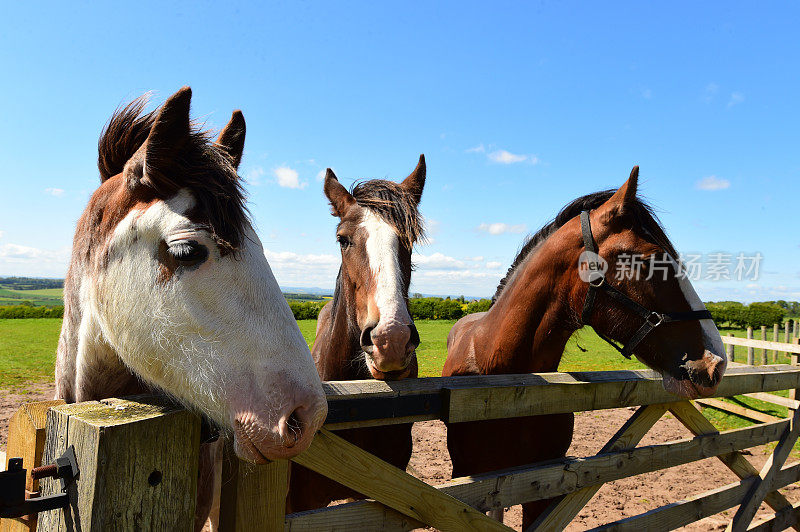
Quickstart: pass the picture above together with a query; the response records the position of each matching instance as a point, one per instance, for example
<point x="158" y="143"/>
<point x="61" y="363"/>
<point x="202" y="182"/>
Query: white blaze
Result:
<point x="382" y="253"/>
<point x="711" y="337"/>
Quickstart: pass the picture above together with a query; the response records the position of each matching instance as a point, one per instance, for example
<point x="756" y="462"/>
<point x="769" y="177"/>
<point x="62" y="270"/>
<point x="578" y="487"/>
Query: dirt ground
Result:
<point x="615" y="500"/>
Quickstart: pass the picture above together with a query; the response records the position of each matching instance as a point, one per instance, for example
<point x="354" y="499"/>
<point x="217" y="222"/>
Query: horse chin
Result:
<point x="388" y="375"/>
<point x="686" y="388"/>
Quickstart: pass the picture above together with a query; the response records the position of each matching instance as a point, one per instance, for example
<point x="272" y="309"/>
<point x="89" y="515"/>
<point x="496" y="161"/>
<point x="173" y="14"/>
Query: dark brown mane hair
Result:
<point x="642" y="214"/>
<point x="395" y="205"/>
<point x="205" y="169"/>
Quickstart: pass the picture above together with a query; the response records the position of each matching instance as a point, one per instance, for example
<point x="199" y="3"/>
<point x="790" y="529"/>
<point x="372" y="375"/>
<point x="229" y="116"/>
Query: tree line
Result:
<point x="739" y="316"/>
<point x="29" y="311"/>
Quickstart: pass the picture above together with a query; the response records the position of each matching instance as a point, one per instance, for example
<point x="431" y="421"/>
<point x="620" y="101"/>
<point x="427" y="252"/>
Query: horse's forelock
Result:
<point x="205" y="169"/>
<point x="395" y="205"/>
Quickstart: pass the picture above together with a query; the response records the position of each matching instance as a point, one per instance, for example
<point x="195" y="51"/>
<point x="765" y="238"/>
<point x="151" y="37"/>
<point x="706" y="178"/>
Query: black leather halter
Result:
<point x="597" y="282"/>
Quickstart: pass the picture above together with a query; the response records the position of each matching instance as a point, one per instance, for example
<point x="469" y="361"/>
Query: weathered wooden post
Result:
<point x="795" y="358"/>
<point x="253" y="497"/>
<point x="26" y="433"/>
<point x="138" y="465"/>
<point x="764" y="350"/>
<point x="787" y="337"/>
<point x="731" y="351"/>
<point x="750" y="351"/>
<point x="775" y="333"/>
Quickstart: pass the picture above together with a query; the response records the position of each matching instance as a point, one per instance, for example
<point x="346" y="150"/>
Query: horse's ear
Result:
<point x="231" y="139"/>
<point x="341" y="200"/>
<point x="624" y="196"/>
<point x="415" y="182"/>
<point x="151" y="164"/>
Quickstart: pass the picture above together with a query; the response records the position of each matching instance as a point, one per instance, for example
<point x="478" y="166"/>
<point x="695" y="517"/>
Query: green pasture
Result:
<point x="44" y="296"/>
<point x="27" y="354"/>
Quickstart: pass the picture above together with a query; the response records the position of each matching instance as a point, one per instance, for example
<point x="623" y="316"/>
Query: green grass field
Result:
<point x="44" y="296"/>
<point x="28" y="346"/>
<point x="27" y="349"/>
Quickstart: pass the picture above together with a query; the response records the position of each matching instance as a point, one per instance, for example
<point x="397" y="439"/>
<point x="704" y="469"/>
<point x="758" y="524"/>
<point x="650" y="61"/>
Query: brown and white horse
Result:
<point x="542" y="302"/>
<point x="366" y="330"/>
<point x="169" y="288"/>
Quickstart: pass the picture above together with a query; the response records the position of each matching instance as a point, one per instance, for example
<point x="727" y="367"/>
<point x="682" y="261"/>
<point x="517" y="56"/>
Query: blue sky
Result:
<point x="518" y="107"/>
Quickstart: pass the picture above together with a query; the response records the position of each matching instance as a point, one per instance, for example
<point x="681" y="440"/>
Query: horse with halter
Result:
<point x="169" y="289"/>
<point x="366" y="329"/>
<point x="559" y="283"/>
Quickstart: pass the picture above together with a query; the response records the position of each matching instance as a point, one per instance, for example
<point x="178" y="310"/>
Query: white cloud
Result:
<point x="501" y="228"/>
<point x="254" y="175"/>
<point x="297" y="269"/>
<point x="477" y="149"/>
<point x="506" y="157"/>
<point x="735" y="99"/>
<point x="321" y="175"/>
<point x="57" y="192"/>
<point x="493" y="264"/>
<point x="2" y="233"/>
<point x="26" y="260"/>
<point x="288" y="178"/>
<point x="713" y="182"/>
<point x="437" y="261"/>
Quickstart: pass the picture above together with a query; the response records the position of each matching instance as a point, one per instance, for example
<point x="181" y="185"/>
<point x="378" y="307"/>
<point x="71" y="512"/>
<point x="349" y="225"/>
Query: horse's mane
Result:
<point x="642" y="214"/>
<point x="204" y="169"/>
<point x="396" y="205"/>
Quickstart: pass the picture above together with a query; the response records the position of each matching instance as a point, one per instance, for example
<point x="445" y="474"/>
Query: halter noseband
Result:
<point x="597" y="281"/>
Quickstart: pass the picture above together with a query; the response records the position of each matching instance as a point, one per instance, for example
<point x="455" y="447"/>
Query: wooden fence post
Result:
<point x="138" y="465"/>
<point x="253" y="497"/>
<point x="795" y="361"/>
<point x="26" y="432"/>
<point x="764" y="351"/>
<point x="731" y="351"/>
<point x="750" y="351"/>
<point x="775" y="333"/>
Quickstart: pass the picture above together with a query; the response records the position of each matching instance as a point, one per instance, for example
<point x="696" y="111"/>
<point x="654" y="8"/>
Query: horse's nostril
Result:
<point x="294" y="430"/>
<point x="413" y="341"/>
<point x="366" y="337"/>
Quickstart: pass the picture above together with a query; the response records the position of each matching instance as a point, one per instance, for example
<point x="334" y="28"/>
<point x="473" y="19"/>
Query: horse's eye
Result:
<point x="189" y="253"/>
<point x="344" y="241"/>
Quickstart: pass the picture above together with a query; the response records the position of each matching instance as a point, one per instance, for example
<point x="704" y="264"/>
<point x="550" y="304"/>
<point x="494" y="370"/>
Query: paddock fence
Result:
<point x="138" y="457"/>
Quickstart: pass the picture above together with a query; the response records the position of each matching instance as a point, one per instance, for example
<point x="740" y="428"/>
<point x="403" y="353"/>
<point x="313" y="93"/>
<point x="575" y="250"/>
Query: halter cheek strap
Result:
<point x="598" y="282"/>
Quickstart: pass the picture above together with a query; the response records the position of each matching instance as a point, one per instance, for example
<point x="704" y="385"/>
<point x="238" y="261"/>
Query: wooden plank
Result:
<point x="748" y="342"/>
<point x="774" y="399"/>
<point x="782" y="520"/>
<point x="558" y="477"/>
<point x="692" y="509"/>
<point x="344" y="462"/>
<point x="730" y="348"/>
<point x="764" y="350"/>
<point x="691" y="417"/>
<point x="750" y="351"/>
<point x="737" y="409"/>
<point x="253" y="497"/>
<point x="562" y="511"/>
<point x="746" y="512"/>
<point x="640" y="388"/>
<point x="775" y="338"/>
<point x="138" y="465"/>
<point x="26" y="432"/>
<point x="737" y="380"/>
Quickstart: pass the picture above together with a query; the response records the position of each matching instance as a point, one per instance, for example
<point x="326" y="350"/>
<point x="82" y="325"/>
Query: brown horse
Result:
<point x="169" y="289"/>
<point x="366" y="330"/>
<point x="547" y="295"/>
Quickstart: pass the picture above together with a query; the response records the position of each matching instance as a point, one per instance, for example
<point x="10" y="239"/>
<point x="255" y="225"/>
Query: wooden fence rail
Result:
<point x="138" y="457"/>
